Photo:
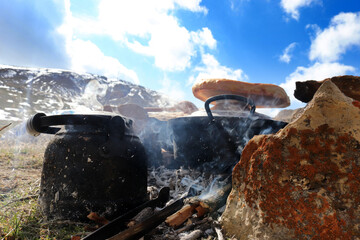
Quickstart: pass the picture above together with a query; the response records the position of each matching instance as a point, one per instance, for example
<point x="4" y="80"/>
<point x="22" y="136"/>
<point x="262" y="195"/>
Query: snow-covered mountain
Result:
<point x="25" y="91"/>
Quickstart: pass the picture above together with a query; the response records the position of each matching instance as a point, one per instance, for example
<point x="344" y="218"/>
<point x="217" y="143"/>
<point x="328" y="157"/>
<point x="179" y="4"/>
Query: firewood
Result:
<point x="208" y="202"/>
<point x="97" y="219"/>
<point x="141" y="216"/>
<point x="178" y="218"/>
<point x="118" y="224"/>
<point x="214" y="199"/>
<point x="140" y="229"/>
<point x="193" y="225"/>
<point x="202" y="209"/>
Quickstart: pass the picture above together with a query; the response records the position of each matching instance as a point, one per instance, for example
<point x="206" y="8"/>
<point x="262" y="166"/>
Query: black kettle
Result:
<point x="94" y="163"/>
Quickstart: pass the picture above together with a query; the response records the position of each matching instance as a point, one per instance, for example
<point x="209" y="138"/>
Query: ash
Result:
<point x="180" y="181"/>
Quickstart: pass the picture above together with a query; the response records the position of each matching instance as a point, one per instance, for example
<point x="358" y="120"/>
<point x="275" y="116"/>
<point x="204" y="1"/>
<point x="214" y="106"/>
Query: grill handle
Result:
<point x="249" y="102"/>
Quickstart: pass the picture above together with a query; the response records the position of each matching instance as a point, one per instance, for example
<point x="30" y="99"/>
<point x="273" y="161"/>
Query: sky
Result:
<point x="168" y="45"/>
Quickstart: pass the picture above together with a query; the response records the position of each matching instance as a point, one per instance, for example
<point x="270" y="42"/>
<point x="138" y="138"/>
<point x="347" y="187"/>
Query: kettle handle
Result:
<point x="248" y="101"/>
<point x="40" y="123"/>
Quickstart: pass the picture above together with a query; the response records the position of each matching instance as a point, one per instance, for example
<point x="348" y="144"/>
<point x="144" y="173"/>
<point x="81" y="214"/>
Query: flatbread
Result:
<point x="264" y="95"/>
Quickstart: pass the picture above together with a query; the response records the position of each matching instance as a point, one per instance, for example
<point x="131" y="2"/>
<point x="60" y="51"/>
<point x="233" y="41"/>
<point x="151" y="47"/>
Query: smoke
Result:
<point x="217" y="182"/>
<point x="172" y="88"/>
<point x="87" y="102"/>
<point x="92" y="92"/>
<point x="179" y="180"/>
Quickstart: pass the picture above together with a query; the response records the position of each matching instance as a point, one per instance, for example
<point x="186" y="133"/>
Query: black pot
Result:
<point x="94" y="164"/>
<point x="215" y="143"/>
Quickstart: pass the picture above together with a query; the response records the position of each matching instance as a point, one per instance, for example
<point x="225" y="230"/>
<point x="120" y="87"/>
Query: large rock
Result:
<point x="349" y="85"/>
<point x="304" y="181"/>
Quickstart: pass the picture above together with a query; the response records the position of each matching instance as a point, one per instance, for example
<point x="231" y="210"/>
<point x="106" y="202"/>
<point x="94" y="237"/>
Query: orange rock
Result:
<point x="304" y="181"/>
<point x="263" y="95"/>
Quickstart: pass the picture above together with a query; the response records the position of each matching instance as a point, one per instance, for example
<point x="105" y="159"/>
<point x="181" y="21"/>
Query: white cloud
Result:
<point x="85" y="56"/>
<point x="291" y="7"/>
<point x="342" y="34"/>
<point x="150" y="28"/>
<point x="204" y="37"/>
<point x="318" y="71"/>
<point x="212" y="69"/>
<point x="170" y="46"/>
<point x="286" y="56"/>
<point x="192" y="5"/>
<point x="172" y="89"/>
<point x="54" y="35"/>
<point x="326" y="48"/>
<point x="27" y="34"/>
<point x="235" y="4"/>
<point x="314" y="28"/>
<point x="139" y="17"/>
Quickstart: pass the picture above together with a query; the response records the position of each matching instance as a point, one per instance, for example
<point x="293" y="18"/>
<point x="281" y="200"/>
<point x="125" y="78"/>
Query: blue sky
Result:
<point x="167" y="45"/>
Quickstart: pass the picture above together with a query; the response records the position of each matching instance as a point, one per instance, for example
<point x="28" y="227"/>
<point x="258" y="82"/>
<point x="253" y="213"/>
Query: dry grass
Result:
<point x="20" y="217"/>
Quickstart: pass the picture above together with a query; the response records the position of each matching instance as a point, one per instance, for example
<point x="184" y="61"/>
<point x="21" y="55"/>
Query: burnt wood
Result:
<point x="146" y="226"/>
<point x="152" y="222"/>
<point x="119" y="223"/>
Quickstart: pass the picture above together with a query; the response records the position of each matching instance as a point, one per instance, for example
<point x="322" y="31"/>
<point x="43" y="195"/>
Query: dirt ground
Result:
<point x="20" y="173"/>
<point x="19" y="166"/>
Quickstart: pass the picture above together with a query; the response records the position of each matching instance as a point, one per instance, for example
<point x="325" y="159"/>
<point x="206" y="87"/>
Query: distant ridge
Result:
<point x="25" y="91"/>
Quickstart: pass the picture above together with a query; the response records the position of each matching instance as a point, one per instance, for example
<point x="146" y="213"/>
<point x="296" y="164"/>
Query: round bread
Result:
<point x="264" y="95"/>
